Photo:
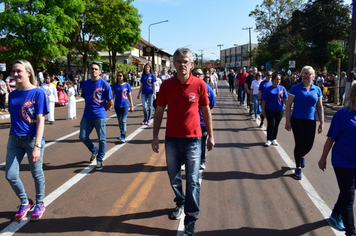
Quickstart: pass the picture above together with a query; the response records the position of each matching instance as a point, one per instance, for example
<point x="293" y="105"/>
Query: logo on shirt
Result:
<point x="280" y="95"/>
<point x="98" y="96"/>
<point x="209" y="95"/>
<point x="124" y="93"/>
<point x="28" y="111"/>
<point x="191" y="97"/>
<point x="149" y="81"/>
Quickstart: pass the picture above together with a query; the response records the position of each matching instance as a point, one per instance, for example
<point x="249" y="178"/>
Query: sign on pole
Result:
<point x="2" y="66"/>
<point x="291" y="64"/>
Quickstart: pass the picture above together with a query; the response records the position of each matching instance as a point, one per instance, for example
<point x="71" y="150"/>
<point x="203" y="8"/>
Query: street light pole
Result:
<point x="220" y="45"/>
<point x="149" y="42"/>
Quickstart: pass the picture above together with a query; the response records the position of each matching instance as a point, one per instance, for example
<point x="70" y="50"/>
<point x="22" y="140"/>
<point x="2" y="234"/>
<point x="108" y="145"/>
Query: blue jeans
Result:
<point x="147" y="100"/>
<point x="255" y="104"/>
<point x="187" y="150"/>
<point x="346" y="178"/>
<point x="86" y="126"/>
<point x="242" y="94"/>
<point x="121" y="114"/>
<point x="17" y="147"/>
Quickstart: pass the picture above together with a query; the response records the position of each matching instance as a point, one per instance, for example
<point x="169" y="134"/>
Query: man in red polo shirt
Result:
<point x="183" y="94"/>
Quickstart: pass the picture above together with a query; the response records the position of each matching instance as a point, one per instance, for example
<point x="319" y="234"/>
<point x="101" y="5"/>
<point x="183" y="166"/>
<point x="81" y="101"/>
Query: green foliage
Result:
<point x="35" y="29"/>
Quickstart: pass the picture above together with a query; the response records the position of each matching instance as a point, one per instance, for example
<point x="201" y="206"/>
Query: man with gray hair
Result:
<point x="183" y="93"/>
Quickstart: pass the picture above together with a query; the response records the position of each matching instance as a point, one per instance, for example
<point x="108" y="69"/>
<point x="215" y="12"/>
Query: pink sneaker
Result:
<point x="38" y="212"/>
<point x="143" y="122"/>
<point x="148" y="122"/>
<point x="23" y="210"/>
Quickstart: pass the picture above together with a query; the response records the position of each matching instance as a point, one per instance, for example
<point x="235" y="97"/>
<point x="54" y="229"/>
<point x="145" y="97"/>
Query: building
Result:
<point x="236" y="57"/>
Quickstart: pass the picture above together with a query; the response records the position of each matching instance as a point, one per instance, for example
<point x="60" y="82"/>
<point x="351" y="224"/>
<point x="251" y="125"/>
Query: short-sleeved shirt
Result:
<point x="343" y="131"/>
<point x="242" y="77"/>
<point x="121" y="92"/>
<point x="61" y="78"/>
<point x="305" y="101"/>
<point x="183" y="100"/>
<point x="147" y="81"/>
<point x="24" y="106"/>
<point x="96" y="94"/>
<point x="274" y="98"/>
<point x="264" y="84"/>
<point x="12" y="83"/>
<point x="212" y="102"/>
<point x="255" y="85"/>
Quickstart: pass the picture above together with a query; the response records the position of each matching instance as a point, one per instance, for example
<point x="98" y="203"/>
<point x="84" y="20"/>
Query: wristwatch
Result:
<point x="37" y="145"/>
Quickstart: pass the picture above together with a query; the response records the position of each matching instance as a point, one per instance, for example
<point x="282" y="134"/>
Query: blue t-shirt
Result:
<point x="274" y="98"/>
<point x="121" y="92"/>
<point x="147" y="81"/>
<point x="305" y="101"/>
<point x="96" y="94"/>
<point x="264" y="84"/>
<point x="212" y="102"/>
<point x="343" y="131"/>
<point x="61" y="78"/>
<point x="24" y="106"/>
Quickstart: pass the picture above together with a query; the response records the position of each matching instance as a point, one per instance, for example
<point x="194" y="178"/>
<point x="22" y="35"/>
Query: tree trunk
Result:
<point x="85" y="62"/>
<point x="351" y="52"/>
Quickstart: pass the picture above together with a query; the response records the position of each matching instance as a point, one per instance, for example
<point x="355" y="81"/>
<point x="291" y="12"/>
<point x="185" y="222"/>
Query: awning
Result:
<point x="139" y="60"/>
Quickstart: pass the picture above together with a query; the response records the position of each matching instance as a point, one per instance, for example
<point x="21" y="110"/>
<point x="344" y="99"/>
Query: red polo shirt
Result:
<point x="183" y="100"/>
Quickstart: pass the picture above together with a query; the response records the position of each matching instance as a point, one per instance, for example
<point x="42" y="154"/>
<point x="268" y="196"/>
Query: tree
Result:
<point x="35" y="29"/>
<point x="272" y="13"/>
<point x="120" y="30"/>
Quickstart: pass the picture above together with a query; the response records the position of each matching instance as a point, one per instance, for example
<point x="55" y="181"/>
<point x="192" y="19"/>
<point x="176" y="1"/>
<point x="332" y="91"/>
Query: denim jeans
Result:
<point x="17" y="147"/>
<point x="203" y="143"/>
<point x="121" y="114"/>
<point x="86" y="126"/>
<point x="187" y="150"/>
<point x="255" y="104"/>
<point x="346" y="178"/>
<point x="242" y="94"/>
<point x="147" y="100"/>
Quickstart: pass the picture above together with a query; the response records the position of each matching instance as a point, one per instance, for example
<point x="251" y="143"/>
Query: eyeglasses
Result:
<point x="184" y="62"/>
<point x="306" y="74"/>
<point x="119" y="75"/>
<point x="198" y="74"/>
<point x="94" y="68"/>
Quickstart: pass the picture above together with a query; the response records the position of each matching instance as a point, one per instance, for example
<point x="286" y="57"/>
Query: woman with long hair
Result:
<point x="27" y="107"/>
<point x="148" y="90"/>
<point x="122" y="93"/>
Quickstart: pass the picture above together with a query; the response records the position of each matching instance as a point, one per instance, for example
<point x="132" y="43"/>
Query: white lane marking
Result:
<point x="15" y="226"/>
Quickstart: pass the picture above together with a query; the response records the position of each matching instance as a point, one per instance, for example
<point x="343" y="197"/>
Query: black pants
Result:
<point x="3" y="101"/>
<point x="304" y="135"/>
<point x="273" y="119"/>
<point x="231" y="85"/>
<point x="203" y="143"/>
<point x="346" y="178"/>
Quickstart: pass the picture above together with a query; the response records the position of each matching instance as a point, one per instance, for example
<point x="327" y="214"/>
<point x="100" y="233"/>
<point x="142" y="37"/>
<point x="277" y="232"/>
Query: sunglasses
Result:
<point x="198" y="74"/>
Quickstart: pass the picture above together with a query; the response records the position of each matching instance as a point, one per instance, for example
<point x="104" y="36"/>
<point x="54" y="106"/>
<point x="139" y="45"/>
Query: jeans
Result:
<point x="17" y="147"/>
<point x="203" y="143"/>
<point x="242" y="94"/>
<point x="273" y="119"/>
<point x="346" y="178"/>
<point x="86" y="126"/>
<point x="187" y="150"/>
<point x="255" y="104"/>
<point x="3" y="101"/>
<point x="147" y="100"/>
<point x="304" y="134"/>
<point x="121" y="114"/>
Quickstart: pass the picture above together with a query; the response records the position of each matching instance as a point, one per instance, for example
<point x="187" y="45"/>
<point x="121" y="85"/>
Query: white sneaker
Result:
<point x="183" y="167"/>
<point x="275" y="143"/>
<point x="268" y="143"/>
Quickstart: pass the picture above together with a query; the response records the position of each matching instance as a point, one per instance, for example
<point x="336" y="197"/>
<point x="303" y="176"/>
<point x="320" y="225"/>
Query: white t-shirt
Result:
<point x="255" y="85"/>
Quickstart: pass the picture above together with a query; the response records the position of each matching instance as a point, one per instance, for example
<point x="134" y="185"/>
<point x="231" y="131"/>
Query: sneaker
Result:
<point x="337" y="220"/>
<point x="99" y="165"/>
<point x="183" y="167"/>
<point x="93" y="156"/>
<point x="38" y="212"/>
<point x="189" y="229"/>
<point x="177" y="213"/>
<point x="143" y="122"/>
<point x="303" y="162"/>
<point x="274" y="142"/>
<point x="298" y="174"/>
<point x="261" y="124"/>
<point x="121" y="139"/>
<point x="202" y="166"/>
<point x="148" y="122"/>
<point x="268" y="143"/>
<point x="24" y="208"/>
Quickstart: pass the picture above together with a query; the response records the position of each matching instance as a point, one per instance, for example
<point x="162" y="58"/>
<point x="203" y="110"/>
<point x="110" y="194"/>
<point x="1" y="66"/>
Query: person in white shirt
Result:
<point x="214" y="79"/>
<point x="51" y="96"/>
<point x="164" y="75"/>
<point x="72" y="106"/>
<point x="41" y="79"/>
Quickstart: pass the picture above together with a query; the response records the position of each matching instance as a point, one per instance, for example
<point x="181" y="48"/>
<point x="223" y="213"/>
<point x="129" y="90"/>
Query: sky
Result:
<point x="197" y="24"/>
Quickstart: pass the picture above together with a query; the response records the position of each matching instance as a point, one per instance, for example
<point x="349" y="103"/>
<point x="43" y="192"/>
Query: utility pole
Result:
<point x="220" y="45"/>
<point x="249" y="30"/>
<point x="201" y="55"/>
